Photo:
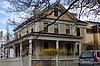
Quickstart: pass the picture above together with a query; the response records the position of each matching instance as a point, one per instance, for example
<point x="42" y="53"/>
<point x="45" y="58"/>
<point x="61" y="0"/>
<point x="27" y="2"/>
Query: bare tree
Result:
<point x="29" y="5"/>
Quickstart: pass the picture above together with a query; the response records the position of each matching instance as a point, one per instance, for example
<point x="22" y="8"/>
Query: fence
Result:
<point x="10" y="62"/>
<point x="39" y="61"/>
<point x="51" y="61"/>
<point x="21" y="61"/>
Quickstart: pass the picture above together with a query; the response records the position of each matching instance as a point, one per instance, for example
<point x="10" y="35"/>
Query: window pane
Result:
<point x="55" y="25"/>
<point x="67" y="29"/>
<point x="55" y="28"/>
<point x="45" y="27"/>
<point x="78" y="31"/>
<point x="67" y="26"/>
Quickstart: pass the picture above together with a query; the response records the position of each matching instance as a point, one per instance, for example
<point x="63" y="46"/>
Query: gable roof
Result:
<point x="41" y="12"/>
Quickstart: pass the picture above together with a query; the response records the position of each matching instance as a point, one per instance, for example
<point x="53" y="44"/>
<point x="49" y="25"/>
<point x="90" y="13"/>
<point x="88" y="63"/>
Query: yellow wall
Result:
<point x="90" y="38"/>
<point x="62" y="29"/>
<point x="51" y="29"/>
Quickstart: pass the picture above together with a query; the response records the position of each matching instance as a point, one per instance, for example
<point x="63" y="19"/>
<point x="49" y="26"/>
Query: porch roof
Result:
<point x="45" y="36"/>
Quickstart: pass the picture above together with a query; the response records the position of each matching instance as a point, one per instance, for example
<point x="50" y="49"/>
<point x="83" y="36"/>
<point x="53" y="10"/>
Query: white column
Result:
<point x="57" y="44"/>
<point x="85" y="36"/>
<point x="8" y="52"/>
<point x="30" y="52"/>
<point x="57" y="47"/>
<point x="4" y="52"/>
<point x="21" y="53"/>
<point x="79" y="48"/>
<point x="30" y="47"/>
<point x="73" y="30"/>
<point x="20" y="49"/>
<point x="14" y="55"/>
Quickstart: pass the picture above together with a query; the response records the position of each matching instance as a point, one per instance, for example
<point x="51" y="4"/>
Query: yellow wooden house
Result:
<point x="39" y="32"/>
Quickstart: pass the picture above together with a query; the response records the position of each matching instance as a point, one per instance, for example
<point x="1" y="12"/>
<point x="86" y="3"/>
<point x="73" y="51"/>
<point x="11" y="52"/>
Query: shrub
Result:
<point x="52" y="52"/>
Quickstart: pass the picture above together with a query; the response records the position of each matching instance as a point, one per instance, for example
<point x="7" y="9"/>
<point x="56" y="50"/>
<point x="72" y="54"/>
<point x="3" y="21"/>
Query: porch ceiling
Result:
<point x="46" y="36"/>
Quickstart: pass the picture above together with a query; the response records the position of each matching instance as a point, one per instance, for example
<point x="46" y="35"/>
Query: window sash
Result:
<point x="45" y="27"/>
<point x="55" y="28"/>
<point x="67" y="29"/>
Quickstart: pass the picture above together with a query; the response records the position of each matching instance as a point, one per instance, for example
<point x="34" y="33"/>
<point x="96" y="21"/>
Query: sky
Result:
<point x="5" y="16"/>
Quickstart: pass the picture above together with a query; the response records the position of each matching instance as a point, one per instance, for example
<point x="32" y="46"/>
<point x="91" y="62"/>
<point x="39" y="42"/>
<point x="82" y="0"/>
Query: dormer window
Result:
<point x="55" y="11"/>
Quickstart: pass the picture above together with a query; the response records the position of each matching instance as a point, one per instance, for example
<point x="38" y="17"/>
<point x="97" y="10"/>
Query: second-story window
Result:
<point x="55" y="28"/>
<point x="45" y="27"/>
<point x="67" y="29"/>
<point x="32" y="30"/>
<point x="78" y="31"/>
<point x="55" y="11"/>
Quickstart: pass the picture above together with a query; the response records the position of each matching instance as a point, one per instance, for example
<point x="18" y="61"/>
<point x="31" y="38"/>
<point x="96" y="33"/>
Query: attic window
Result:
<point x="55" y="11"/>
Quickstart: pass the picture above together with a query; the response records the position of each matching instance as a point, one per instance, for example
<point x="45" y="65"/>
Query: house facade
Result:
<point x="93" y="36"/>
<point x="38" y="33"/>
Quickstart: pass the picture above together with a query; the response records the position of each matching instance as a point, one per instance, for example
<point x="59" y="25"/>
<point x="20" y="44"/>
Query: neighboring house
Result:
<point x="32" y="37"/>
<point x="93" y="36"/>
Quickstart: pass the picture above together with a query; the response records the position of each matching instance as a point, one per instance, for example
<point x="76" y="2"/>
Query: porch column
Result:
<point x="85" y="37"/>
<point x="57" y="44"/>
<point x="8" y="52"/>
<point x="4" y="52"/>
<point x="75" y="49"/>
<point x="14" y="55"/>
<point x="73" y="30"/>
<point x="79" y="48"/>
<point x="30" y="52"/>
<point x="20" y="49"/>
<point x="57" y="47"/>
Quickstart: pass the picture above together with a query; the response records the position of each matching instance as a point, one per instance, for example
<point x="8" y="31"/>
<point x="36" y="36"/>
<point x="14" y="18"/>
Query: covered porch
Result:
<point x="33" y="43"/>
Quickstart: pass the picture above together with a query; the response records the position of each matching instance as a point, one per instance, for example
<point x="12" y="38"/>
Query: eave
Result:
<point x="45" y="36"/>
